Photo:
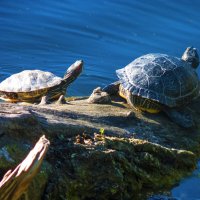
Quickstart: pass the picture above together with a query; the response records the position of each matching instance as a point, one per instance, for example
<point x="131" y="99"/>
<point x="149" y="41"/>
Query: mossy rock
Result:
<point x="138" y="151"/>
<point x="115" y="168"/>
<point x="12" y="153"/>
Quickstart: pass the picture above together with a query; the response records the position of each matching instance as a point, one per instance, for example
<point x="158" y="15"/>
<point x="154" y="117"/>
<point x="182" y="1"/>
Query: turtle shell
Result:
<point x="29" y="80"/>
<point x="162" y="78"/>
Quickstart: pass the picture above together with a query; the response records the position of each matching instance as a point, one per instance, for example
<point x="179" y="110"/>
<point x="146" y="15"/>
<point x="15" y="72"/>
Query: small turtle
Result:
<point x="33" y="85"/>
<point x="160" y="82"/>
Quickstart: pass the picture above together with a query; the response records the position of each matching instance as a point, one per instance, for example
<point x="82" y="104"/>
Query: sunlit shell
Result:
<point x="29" y="80"/>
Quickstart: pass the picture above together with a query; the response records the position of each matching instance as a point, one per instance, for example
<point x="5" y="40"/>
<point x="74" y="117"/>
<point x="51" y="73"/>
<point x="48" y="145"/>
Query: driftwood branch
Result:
<point x="16" y="182"/>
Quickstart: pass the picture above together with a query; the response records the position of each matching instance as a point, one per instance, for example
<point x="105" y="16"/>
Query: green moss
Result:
<point x="10" y="155"/>
<point x="4" y="164"/>
<point x="17" y="151"/>
<point x="119" y="168"/>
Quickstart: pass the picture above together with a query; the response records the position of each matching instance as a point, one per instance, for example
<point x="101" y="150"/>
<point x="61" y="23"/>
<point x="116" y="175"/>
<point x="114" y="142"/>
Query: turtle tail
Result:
<point x="73" y="72"/>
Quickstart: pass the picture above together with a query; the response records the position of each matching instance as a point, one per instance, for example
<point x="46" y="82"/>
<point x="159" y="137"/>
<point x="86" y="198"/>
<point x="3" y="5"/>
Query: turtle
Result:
<point x="159" y="82"/>
<point x="33" y="86"/>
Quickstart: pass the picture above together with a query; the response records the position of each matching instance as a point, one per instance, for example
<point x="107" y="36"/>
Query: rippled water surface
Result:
<point x="107" y="35"/>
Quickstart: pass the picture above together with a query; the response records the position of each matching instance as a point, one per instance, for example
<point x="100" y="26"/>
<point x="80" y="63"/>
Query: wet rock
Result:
<point x="100" y="151"/>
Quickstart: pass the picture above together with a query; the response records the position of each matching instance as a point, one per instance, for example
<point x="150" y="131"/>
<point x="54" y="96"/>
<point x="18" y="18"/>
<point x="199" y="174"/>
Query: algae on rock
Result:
<point x="136" y="153"/>
<point x="116" y="168"/>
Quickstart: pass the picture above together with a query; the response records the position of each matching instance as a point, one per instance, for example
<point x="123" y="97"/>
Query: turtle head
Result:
<point x="191" y="56"/>
<point x="74" y="70"/>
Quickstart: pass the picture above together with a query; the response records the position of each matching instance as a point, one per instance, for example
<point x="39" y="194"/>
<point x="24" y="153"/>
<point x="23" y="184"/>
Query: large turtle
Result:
<point x="33" y="85"/>
<point x="156" y="82"/>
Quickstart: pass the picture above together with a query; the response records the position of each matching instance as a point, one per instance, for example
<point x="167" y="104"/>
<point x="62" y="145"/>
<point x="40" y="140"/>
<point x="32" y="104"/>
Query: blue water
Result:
<point x="189" y="188"/>
<point x="52" y="34"/>
<point x="107" y="35"/>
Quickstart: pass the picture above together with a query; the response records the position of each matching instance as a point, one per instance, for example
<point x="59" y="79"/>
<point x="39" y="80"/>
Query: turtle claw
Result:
<point x="61" y="100"/>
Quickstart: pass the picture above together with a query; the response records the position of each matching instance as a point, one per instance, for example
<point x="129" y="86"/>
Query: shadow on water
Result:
<point x="107" y="35"/>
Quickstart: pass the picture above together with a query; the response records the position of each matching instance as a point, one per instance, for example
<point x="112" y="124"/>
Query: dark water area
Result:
<point x="51" y="34"/>
<point x="189" y="188"/>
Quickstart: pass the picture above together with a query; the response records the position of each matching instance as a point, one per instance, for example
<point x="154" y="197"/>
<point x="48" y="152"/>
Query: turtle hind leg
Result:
<point x="61" y="100"/>
<point x="112" y="88"/>
<point x="181" y="117"/>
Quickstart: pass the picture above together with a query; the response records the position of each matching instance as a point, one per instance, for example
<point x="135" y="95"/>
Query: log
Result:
<point x="16" y="182"/>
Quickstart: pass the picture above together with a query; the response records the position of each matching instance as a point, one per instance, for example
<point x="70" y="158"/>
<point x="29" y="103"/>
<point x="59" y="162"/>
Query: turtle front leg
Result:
<point x="181" y="117"/>
<point x="112" y="88"/>
<point x="61" y="100"/>
<point x="43" y="101"/>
